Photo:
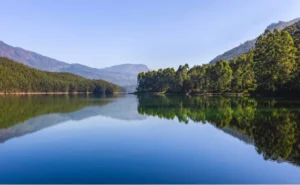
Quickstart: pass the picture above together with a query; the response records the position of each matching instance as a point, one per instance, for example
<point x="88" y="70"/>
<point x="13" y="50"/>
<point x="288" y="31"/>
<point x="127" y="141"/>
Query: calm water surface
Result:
<point x="149" y="139"/>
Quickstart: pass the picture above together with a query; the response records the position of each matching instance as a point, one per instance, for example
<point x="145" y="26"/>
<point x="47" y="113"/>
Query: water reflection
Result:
<point x="272" y="126"/>
<point x="20" y="115"/>
<point x="127" y="139"/>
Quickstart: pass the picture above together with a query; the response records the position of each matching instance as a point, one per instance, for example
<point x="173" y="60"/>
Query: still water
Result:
<point x="148" y="139"/>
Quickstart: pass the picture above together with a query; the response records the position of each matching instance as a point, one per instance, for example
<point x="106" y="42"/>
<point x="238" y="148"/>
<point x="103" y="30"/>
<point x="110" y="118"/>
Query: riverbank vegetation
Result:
<point x="18" y="78"/>
<point x="272" y="66"/>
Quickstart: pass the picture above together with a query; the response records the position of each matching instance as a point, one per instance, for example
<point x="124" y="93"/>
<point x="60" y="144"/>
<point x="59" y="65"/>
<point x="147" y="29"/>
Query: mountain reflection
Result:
<point x="21" y="115"/>
<point x="272" y="126"/>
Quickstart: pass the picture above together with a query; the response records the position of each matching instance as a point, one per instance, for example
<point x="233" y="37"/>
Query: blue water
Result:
<point x="113" y="143"/>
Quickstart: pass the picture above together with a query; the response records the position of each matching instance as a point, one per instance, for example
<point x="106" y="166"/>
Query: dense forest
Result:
<point x="272" y="126"/>
<point x="272" y="66"/>
<point x="16" y="77"/>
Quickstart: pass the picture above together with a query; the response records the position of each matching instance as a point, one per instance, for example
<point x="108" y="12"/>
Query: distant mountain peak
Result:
<point x="29" y="58"/>
<point x="127" y="68"/>
<point x="281" y="24"/>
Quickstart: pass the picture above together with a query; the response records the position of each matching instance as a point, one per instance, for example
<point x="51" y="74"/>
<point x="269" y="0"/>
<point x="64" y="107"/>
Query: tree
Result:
<point x="198" y="78"/>
<point x="275" y="60"/>
<point x="295" y="83"/>
<point x="180" y="76"/>
<point x="221" y="76"/>
<point x="243" y="77"/>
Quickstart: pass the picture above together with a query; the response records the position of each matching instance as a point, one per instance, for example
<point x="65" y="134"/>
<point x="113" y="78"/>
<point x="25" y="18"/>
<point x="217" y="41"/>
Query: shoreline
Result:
<point x="194" y="94"/>
<point x="220" y="94"/>
<point x="40" y="93"/>
<point x="254" y="95"/>
<point x="47" y="93"/>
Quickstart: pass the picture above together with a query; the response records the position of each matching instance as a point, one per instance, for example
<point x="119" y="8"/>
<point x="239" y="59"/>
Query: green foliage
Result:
<point x="243" y="79"/>
<point x="275" y="60"/>
<point x="16" y="77"/>
<point x="220" y="76"/>
<point x="206" y="78"/>
<point x="156" y="81"/>
<point x="294" y="31"/>
<point x="181" y="82"/>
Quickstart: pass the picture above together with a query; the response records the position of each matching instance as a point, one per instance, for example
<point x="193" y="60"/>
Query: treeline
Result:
<point x="16" y="77"/>
<point x="273" y="127"/>
<point x="273" y="65"/>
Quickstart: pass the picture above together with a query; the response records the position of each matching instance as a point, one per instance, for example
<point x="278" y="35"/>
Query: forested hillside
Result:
<point x="16" y="77"/>
<point x="272" y="66"/>
<point x="248" y="45"/>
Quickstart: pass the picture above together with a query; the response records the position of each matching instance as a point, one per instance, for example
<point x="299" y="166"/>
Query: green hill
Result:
<point x="16" y="77"/>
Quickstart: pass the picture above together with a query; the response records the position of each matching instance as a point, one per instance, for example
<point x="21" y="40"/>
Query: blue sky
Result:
<point x="158" y="33"/>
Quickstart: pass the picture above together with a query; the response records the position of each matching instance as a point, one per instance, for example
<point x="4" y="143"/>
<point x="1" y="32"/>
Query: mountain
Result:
<point x="294" y="31"/>
<point x="119" y="78"/>
<point x="16" y="77"/>
<point x="246" y="46"/>
<point x="127" y="68"/>
<point x="123" y="75"/>
<point x="31" y="59"/>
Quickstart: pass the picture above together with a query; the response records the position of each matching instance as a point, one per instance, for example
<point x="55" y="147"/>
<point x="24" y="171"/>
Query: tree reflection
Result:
<point x="17" y="109"/>
<point x="272" y="125"/>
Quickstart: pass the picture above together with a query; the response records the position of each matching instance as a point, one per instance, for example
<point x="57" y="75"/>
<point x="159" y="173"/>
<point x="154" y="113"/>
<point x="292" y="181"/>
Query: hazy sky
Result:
<point x="158" y="33"/>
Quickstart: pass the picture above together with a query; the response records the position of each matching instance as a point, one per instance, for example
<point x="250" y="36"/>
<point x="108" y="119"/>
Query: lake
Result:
<point x="148" y="139"/>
